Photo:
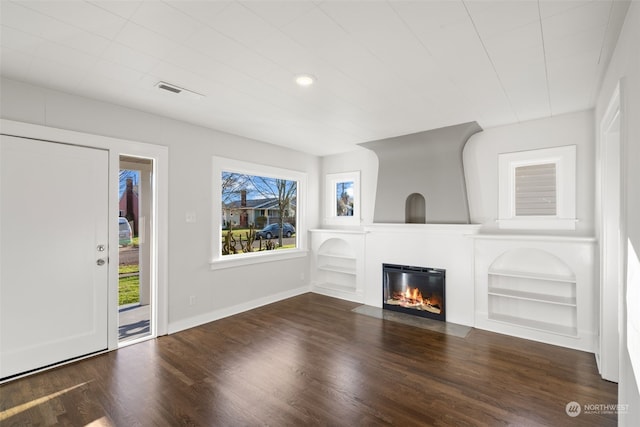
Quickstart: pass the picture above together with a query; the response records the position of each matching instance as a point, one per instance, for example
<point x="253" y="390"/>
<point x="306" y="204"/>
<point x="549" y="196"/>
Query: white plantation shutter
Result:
<point x="535" y="190"/>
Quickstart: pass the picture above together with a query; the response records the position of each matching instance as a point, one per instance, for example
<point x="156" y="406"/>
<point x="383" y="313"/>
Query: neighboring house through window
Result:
<point x="254" y="208"/>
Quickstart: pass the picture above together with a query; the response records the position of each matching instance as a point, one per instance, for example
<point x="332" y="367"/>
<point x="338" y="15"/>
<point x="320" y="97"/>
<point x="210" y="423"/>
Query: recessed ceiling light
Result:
<point x="305" y="80"/>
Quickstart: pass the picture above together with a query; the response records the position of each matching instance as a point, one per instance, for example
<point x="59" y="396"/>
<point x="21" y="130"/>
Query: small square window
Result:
<point x="535" y="193"/>
<point x="537" y="189"/>
<point x="343" y="198"/>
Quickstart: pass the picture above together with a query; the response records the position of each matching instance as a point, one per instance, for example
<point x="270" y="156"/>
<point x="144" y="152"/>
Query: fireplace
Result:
<point x="414" y="290"/>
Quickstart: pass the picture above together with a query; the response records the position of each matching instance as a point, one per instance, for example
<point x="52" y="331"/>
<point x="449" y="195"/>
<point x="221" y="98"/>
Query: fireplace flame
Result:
<point x="412" y="298"/>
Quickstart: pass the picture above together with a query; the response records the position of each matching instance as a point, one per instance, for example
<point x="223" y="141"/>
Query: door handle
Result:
<point x="101" y="261"/>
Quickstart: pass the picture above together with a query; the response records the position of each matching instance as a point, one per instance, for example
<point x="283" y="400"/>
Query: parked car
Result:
<point x="273" y="230"/>
<point x="124" y="231"/>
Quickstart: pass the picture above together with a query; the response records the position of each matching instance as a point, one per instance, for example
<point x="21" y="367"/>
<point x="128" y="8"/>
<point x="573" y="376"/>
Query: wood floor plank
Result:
<point x="310" y="360"/>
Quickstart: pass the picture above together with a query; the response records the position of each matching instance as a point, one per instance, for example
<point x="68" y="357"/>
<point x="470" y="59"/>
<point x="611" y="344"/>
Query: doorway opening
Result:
<point x="135" y="284"/>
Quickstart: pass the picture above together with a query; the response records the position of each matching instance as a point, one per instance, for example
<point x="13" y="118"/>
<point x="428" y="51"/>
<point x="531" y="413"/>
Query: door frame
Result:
<point x="159" y="250"/>
<point x="146" y="194"/>
<point x="611" y="210"/>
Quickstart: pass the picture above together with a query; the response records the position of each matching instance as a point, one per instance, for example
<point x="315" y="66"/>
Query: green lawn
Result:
<point x="128" y="287"/>
<point x="129" y="290"/>
<point x="133" y="268"/>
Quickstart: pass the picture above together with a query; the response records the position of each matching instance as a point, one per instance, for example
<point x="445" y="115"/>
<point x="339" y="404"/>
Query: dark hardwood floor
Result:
<point x="309" y="360"/>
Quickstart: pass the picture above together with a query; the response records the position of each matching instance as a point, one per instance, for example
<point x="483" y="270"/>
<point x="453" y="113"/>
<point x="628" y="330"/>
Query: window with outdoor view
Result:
<point x="258" y="213"/>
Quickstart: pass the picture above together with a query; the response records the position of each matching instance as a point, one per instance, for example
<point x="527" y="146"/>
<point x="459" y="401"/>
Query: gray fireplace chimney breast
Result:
<point x="427" y="163"/>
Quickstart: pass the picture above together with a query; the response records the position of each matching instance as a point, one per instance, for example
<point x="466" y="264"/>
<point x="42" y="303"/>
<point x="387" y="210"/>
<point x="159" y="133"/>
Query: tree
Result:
<point x="287" y="191"/>
<point x="232" y="186"/>
<point x="282" y="191"/>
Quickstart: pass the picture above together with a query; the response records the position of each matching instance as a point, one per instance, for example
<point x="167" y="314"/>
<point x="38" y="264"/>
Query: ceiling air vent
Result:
<point x="178" y="90"/>
<point x="168" y="87"/>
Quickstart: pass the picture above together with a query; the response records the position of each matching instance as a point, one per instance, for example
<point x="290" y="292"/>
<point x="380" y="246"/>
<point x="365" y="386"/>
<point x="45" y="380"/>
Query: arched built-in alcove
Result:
<point x="415" y="210"/>
<point x="336" y="260"/>
<point x="530" y="261"/>
<point x="336" y="246"/>
<point x="535" y="289"/>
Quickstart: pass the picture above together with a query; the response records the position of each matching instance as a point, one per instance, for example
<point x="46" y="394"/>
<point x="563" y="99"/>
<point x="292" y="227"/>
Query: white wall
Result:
<point x="480" y="159"/>
<point x="191" y="148"/>
<point x="625" y="66"/>
<point x="481" y="166"/>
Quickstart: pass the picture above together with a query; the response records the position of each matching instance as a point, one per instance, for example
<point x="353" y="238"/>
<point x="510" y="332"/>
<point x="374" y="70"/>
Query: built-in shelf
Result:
<point x="535" y="324"/>
<point x="537" y="287"/>
<point x="535" y="238"/>
<point x="334" y="286"/>
<point x="532" y="296"/>
<point x="338" y="262"/>
<point x="543" y="300"/>
<point x="337" y="269"/>
<point x="533" y="275"/>
<point x="337" y="256"/>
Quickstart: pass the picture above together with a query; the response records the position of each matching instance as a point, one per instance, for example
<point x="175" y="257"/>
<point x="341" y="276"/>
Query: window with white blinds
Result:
<point x="537" y="189"/>
<point x="535" y="192"/>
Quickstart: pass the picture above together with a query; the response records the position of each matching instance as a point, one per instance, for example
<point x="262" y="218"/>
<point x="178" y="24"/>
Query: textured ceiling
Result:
<point x="383" y="68"/>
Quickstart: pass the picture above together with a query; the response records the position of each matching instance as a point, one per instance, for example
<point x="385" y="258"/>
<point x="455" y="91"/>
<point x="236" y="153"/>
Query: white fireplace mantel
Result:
<point x="469" y="259"/>
<point x="444" y="246"/>
<point x="464" y="229"/>
<point x="348" y="263"/>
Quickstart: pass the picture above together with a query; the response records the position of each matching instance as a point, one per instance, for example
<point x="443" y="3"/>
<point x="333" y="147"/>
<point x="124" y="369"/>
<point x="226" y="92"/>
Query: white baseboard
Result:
<point x="584" y="341"/>
<point x="201" y="319"/>
<point x="338" y="293"/>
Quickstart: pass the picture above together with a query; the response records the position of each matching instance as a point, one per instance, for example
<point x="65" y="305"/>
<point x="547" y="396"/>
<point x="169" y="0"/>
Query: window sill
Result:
<point x="231" y="261"/>
<point x="537" y="224"/>
<point x="342" y="220"/>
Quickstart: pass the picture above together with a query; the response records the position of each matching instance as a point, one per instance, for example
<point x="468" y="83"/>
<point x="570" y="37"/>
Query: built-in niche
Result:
<point x="415" y="209"/>
<point x="535" y="289"/>
<point x="338" y="263"/>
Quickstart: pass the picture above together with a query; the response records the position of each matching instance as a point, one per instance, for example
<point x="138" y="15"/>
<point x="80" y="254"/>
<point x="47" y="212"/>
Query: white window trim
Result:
<point x="330" y="200"/>
<point x="565" y="160"/>
<point x="218" y="261"/>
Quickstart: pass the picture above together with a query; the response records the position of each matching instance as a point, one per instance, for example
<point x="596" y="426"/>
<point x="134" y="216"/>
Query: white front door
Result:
<point x="53" y="253"/>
